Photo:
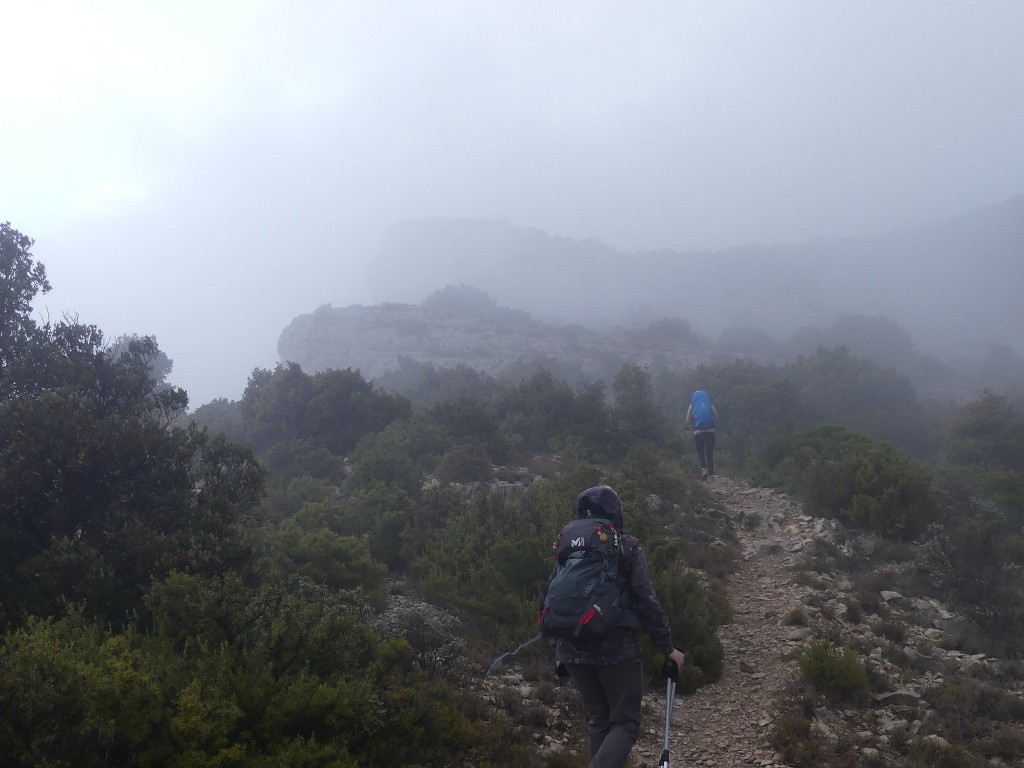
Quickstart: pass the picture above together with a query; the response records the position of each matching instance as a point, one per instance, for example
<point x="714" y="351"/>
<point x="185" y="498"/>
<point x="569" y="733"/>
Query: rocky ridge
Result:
<point x="379" y="339"/>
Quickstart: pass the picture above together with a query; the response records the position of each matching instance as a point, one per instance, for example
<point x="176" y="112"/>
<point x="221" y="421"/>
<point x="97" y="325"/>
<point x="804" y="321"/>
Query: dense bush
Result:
<point x="984" y="455"/>
<point x="485" y="559"/>
<point x="974" y="715"/>
<point x="978" y="562"/>
<point x="305" y="457"/>
<point x="464" y="464"/>
<point x="424" y="384"/>
<point x="835" y="386"/>
<point x="467" y="301"/>
<point x="334" y="408"/>
<point x="693" y="616"/>
<point x="849" y="476"/>
<point x="988" y="433"/>
<point x="673" y="330"/>
<point x="541" y="412"/>
<point x="879" y="339"/>
<point x="467" y="420"/>
<point x="99" y="496"/>
<point x="758" y="403"/>
<point x="393" y="456"/>
<point x="975" y="555"/>
<point x="636" y="411"/>
<point x="299" y="684"/>
<point x="324" y="557"/>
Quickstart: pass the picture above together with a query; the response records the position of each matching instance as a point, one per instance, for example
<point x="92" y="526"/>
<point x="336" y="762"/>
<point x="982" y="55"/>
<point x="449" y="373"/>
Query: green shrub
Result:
<point x="861" y="482"/>
<point x="692" y="615"/>
<point x="834" y="386"/>
<point x="74" y="694"/>
<point x="465" y="464"/>
<point x="472" y="424"/>
<point x="792" y="735"/>
<point x="979" y="562"/>
<point x="893" y="630"/>
<point x="989" y="433"/>
<point x="796" y="617"/>
<point x="808" y="579"/>
<point x="869" y="600"/>
<point x="335" y="408"/>
<point x="839" y="673"/>
<point x="976" y="700"/>
<point x="392" y="456"/>
<point x="1006" y="742"/>
<point x="542" y="410"/>
<point x="324" y="557"/>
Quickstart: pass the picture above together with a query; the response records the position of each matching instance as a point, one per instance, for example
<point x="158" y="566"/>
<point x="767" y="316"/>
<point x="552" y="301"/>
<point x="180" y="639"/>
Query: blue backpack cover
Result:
<point x="700" y="408"/>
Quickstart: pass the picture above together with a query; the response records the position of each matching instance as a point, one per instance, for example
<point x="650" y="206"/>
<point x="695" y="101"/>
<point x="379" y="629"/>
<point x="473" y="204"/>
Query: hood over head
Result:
<point x="600" y="501"/>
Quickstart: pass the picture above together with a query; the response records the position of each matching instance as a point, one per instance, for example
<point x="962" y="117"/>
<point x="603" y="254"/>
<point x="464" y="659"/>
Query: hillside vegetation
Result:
<point x="321" y="572"/>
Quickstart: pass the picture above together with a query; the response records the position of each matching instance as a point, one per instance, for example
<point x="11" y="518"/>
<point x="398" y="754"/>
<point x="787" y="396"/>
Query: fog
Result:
<point x="204" y="172"/>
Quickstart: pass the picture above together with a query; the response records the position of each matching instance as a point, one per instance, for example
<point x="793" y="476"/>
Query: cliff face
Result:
<point x="374" y="339"/>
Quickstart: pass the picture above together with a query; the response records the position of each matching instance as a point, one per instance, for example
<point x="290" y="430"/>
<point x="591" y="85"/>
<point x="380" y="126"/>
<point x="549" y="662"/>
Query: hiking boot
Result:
<point x="703" y="474"/>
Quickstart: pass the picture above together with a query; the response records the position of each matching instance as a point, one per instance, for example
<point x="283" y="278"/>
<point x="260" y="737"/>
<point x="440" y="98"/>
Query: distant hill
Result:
<point x="955" y="284"/>
<point x="481" y="335"/>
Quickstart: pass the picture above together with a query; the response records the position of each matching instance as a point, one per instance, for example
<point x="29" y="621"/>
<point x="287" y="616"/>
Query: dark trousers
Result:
<point x="705" y="442"/>
<point x="612" y="695"/>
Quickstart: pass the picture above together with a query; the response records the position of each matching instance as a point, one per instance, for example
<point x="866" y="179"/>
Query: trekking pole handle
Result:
<point x="673" y="663"/>
<point x="670" y="671"/>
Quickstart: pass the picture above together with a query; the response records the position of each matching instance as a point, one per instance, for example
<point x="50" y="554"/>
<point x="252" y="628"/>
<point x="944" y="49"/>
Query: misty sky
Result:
<point x="205" y="170"/>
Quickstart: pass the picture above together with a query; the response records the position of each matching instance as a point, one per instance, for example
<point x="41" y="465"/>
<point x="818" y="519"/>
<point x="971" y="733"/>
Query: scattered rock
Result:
<point x="898" y="698"/>
<point x="765" y="548"/>
<point x="936" y="741"/>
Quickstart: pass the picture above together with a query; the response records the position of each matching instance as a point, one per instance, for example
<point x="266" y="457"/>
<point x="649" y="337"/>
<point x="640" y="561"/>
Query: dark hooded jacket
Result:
<point x="623" y="644"/>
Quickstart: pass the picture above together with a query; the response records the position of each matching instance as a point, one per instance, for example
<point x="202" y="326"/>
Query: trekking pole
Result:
<point x="504" y="656"/>
<point x="671" y="674"/>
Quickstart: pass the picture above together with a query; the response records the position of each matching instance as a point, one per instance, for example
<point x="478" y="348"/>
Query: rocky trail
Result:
<point x="729" y="723"/>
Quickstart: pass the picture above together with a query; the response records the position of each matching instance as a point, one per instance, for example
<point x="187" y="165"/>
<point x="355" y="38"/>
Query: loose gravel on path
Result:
<point x="729" y="723"/>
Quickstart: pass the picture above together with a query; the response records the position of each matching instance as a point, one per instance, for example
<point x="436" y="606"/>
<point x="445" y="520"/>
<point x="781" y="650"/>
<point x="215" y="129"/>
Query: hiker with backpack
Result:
<point x="598" y="600"/>
<point x="704" y="417"/>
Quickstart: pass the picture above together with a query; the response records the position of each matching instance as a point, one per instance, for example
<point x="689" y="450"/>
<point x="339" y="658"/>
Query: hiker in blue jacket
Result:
<point x="704" y="417"/>
<point x="608" y="673"/>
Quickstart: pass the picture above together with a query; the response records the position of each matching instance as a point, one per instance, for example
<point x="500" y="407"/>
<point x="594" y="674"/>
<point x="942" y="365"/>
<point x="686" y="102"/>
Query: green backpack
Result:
<point x="587" y="595"/>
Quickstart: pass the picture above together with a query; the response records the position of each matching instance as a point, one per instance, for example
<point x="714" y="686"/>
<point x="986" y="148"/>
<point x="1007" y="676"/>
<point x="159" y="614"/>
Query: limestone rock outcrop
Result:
<point x="379" y="339"/>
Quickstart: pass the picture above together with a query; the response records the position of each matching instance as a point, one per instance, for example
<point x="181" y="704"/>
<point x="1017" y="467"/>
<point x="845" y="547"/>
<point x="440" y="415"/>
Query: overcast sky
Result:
<point x="205" y="170"/>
